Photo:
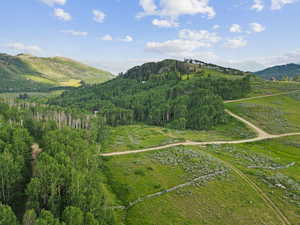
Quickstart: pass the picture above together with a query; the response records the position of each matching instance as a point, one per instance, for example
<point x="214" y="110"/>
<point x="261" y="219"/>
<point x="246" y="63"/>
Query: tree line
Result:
<point x="169" y="99"/>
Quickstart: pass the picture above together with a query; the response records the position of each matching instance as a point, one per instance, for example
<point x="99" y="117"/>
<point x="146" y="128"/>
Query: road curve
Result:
<point x="261" y="134"/>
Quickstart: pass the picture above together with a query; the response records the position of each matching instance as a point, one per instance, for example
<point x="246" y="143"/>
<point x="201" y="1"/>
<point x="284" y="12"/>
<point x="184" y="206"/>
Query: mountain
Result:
<point x="29" y="73"/>
<point x="185" y="67"/>
<point x="280" y="72"/>
<point x="168" y="93"/>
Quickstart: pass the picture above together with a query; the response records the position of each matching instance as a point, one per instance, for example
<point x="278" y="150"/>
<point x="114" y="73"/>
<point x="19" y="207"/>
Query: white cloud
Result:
<point x="54" y="2"/>
<point x="199" y="35"/>
<point x="75" y="33"/>
<point x="107" y="37"/>
<point x="236" y="43"/>
<point x="99" y="16"/>
<point x="176" y="8"/>
<point x="278" y="4"/>
<point x="290" y="57"/>
<point x="235" y="28"/>
<point x="258" y="5"/>
<point x="62" y="15"/>
<point x="148" y="6"/>
<point x="127" y="38"/>
<point x="256" y="27"/>
<point x="216" y="27"/>
<point x="187" y="45"/>
<point x="164" y="23"/>
<point x="180" y="49"/>
<point x="18" y="46"/>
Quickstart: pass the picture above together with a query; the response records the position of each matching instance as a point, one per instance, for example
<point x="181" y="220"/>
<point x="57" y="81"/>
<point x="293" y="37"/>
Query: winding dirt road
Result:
<point x="261" y="134"/>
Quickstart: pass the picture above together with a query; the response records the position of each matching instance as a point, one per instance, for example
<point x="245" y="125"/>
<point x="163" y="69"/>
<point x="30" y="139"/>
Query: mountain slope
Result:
<point x="279" y="72"/>
<point x="29" y="73"/>
<point x="168" y="93"/>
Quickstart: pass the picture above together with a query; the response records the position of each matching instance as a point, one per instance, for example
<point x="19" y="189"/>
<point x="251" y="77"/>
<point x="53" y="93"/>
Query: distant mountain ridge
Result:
<point x="280" y="72"/>
<point x="29" y="73"/>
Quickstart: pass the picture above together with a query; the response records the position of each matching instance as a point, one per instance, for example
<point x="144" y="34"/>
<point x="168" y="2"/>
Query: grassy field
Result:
<point x="276" y="114"/>
<point x="262" y="87"/>
<point x="226" y="198"/>
<point x="134" y="137"/>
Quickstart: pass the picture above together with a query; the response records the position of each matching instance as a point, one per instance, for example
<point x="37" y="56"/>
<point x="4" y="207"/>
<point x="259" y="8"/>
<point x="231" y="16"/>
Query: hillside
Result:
<point x="29" y="73"/>
<point x="280" y="72"/>
<point x="184" y="67"/>
<point x="168" y="93"/>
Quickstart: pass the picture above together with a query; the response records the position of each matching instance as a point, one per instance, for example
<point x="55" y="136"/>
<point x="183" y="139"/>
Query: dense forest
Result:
<point x="167" y="93"/>
<point x="53" y="183"/>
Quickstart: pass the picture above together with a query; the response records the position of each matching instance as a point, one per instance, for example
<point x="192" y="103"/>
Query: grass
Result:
<point x="39" y="79"/>
<point x="262" y="87"/>
<point x="71" y="83"/>
<point x="134" y="137"/>
<point x="282" y="185"/>
<point x="276" y="114"/>
<point x="222" y="200"/>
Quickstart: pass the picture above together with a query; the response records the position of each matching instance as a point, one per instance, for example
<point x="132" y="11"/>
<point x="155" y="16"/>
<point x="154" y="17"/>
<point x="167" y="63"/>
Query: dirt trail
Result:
<point x="261" y="135"/>
<point x="263" y="96"/>
<point x="259" y="191"/>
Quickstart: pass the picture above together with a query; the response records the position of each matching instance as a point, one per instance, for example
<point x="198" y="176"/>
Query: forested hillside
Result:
<point x="55" y="183"/>
<point x="29" y="73"/>
<point x="289" y="71"/>
<point x="169" y="93"/>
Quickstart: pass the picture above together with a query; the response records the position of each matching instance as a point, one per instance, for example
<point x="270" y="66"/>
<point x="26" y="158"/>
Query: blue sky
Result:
<point x="118" y="34"/>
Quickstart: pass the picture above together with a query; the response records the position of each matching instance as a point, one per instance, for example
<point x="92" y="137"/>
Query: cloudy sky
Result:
<point x="118" y="34"/>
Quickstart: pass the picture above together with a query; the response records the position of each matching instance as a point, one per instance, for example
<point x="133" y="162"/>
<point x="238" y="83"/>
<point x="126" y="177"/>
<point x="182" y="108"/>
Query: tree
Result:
<point x="29" y="217"/>
<point x="90" y="219"/>
<point x="7" y="216"/>
<point x="73" y="216"/>
<point x="46" y="218"/>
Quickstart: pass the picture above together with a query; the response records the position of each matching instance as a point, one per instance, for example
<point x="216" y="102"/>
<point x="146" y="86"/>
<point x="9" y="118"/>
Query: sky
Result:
<point x="116" y="35"/>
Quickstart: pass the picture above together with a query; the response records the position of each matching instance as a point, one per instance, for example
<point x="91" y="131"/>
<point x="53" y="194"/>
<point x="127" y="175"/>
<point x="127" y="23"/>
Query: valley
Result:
<point x="189" y="144"/>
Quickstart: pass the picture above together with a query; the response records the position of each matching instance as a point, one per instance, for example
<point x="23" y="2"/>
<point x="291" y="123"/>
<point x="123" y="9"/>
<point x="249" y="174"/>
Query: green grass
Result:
<point x="276" y="114"/>
<point x="222" y="200"/>
<point x="262" y="87"/>
<point x="123" y="138"/>
<point x="275" y="154"/>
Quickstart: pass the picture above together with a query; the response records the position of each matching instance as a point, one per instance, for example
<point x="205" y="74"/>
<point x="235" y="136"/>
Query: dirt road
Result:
<point x="261" y="135"/>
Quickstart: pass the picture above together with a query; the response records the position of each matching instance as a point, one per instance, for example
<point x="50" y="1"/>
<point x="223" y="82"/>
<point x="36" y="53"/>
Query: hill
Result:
<point x="280" y="72"/>
<point x="29" y="73"/>
<point x="168" y="93"/>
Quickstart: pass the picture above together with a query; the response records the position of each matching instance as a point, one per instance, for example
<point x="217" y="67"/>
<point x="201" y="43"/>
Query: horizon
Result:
<point x="249" y="39"/>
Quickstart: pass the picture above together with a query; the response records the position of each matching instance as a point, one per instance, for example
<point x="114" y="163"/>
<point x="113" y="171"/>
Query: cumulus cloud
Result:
<point x="215" y="27"/>
<point x="175" y="46"/>
<point x="75" y="33"/>
<point x="236" y="43"/>
<point x="20" y="47"/>
<point x="99" y="16"/>
<point x="127" y="38"/>
<point x="187" y="45"/>
<point x="199" y="35"/>
<point x="235" y="28"/>
<point x="175" y="8"/>
<point x="258" y="5"/>
<point x="278" y="4"/>
<point x="164" y="23"/>
<point x="62" y="14"/>
<point x="107" y="37"/>
<point x="257" y="28"/>
<point x="54" y="2"/>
